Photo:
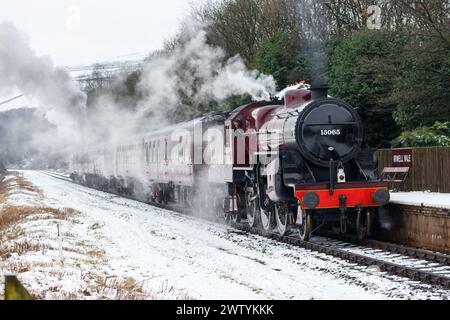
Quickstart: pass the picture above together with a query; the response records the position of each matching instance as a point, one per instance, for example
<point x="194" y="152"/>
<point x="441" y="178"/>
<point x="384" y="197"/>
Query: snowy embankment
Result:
<point x="115" y="248"/>
<point x="422" y="198"/>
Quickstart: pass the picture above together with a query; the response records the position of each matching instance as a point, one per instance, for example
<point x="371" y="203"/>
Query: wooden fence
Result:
<point x="430" y="168"/>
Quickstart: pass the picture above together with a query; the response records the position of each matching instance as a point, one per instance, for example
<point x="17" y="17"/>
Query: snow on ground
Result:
<point x="422" y="198"/>
<point x="160" y="254"/>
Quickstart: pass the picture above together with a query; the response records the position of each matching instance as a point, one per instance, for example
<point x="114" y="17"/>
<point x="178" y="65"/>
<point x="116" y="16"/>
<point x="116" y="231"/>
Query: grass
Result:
<point x="4" y="189"/>
<point x="112" y="288"/>
<point x="11" y="215"/>
<point x="18" y="182"/>
<point x="129" y="289"/>
<point x="21" y="248"/>
<point x="18" y="240"/>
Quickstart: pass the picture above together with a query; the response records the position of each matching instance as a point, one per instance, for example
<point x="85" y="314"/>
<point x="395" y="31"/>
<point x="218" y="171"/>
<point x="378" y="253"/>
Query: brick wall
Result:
<point x="415" y="226"/>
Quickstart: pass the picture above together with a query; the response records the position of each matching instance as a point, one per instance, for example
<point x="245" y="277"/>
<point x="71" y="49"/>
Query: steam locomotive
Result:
<point x="290" y="165"/>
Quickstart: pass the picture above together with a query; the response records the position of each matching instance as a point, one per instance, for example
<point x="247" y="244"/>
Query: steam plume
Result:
<point x="192" y="74"/>
<point x="38" y="79"/>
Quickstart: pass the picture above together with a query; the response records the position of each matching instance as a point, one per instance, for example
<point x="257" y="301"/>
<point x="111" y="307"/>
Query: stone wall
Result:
<point x="416" y="226"/>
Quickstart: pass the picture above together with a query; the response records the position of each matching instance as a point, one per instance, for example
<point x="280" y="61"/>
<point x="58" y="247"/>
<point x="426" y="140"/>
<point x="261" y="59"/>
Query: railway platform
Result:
<point x="417" y="219"/>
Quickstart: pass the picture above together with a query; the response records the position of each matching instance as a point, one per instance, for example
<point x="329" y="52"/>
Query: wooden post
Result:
<point x="61" y="258"/>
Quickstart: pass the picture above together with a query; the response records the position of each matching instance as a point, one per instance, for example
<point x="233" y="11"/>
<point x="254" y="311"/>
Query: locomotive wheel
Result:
<point x="304" y="230"/>
<point x="266" y="218"/>
<point x="252" y="206"/>
<point x="228" y="217"/>
<point x="363" y="223"/>
<point x="282" y="216"/>
<point x="159" y="196"/>
<point x="253" y="214"/>
<point x="224" y="216"/>
<point x="236" y="217"/>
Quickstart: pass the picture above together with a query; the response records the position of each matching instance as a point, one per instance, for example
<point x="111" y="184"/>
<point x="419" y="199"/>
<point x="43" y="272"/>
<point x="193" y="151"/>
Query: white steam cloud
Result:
<point x="38" y="79"/>
<point x="203" y="66"/>
<point x="191" y="75"/>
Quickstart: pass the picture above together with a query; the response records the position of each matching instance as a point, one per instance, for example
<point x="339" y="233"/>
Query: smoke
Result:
<point x="315" y="27"/>
<point x="177" y="84"/>
<point x="196" y="73"/>
<point x="318" y="61"/>
<point x="38" y="79"/>
<point x="173" y="84"/>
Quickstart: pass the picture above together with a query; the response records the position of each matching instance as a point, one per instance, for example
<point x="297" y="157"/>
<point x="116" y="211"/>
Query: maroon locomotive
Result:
<point x="290" y="164"/>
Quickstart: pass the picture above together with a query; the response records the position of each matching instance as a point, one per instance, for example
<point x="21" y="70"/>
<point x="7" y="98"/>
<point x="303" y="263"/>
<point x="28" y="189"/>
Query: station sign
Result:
<point x="402" y="157"/>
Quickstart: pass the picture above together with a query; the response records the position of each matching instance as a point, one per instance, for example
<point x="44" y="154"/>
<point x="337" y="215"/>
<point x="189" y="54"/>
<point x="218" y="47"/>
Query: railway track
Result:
<point x="396" y="264"/>
<point x="412" y="263"/>
<point x="428" y="255"/>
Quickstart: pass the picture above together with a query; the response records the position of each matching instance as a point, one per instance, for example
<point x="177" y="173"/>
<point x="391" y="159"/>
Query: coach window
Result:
<point x="157" y="151"/>
<point x="165" y="149"/>
<point x="135" y="154"/>
<point x="180" y="149"/>
<point x="228" y="135"/>
<point x="153" y="151"/>
<point x="130" y="155"/>
<point x="152" y="146"/>
<point x="146" y="152"/>
<point x="149" y="154"/>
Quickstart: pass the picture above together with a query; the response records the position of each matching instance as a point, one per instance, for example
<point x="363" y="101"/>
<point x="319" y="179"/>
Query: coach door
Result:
<point x="228" y="152"/>
<point x="228" y="157"/>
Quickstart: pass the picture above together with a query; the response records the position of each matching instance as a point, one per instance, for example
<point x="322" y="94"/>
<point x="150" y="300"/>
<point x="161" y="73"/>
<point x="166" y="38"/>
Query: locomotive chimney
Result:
<point x="319" y="91"/>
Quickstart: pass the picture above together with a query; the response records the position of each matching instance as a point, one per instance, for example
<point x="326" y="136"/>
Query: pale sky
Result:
<point x="76" y="32"/>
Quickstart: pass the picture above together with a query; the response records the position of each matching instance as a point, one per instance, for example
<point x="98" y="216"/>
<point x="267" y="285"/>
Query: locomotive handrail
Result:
<point x="334" y="124"/>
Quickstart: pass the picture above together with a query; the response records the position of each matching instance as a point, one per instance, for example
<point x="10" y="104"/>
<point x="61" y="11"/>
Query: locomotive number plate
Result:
<point x="334" y="132"/>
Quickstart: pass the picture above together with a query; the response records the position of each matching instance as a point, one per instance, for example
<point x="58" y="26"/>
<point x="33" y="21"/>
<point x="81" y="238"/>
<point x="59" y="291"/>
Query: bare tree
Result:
<point x="240" y="26"/>
<point x="430" y="17"/>
<point x="100" y="78"/>
<point x="346" y="16"/>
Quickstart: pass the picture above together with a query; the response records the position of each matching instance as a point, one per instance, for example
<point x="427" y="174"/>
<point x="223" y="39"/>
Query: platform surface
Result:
<point x="422" y="198"/>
